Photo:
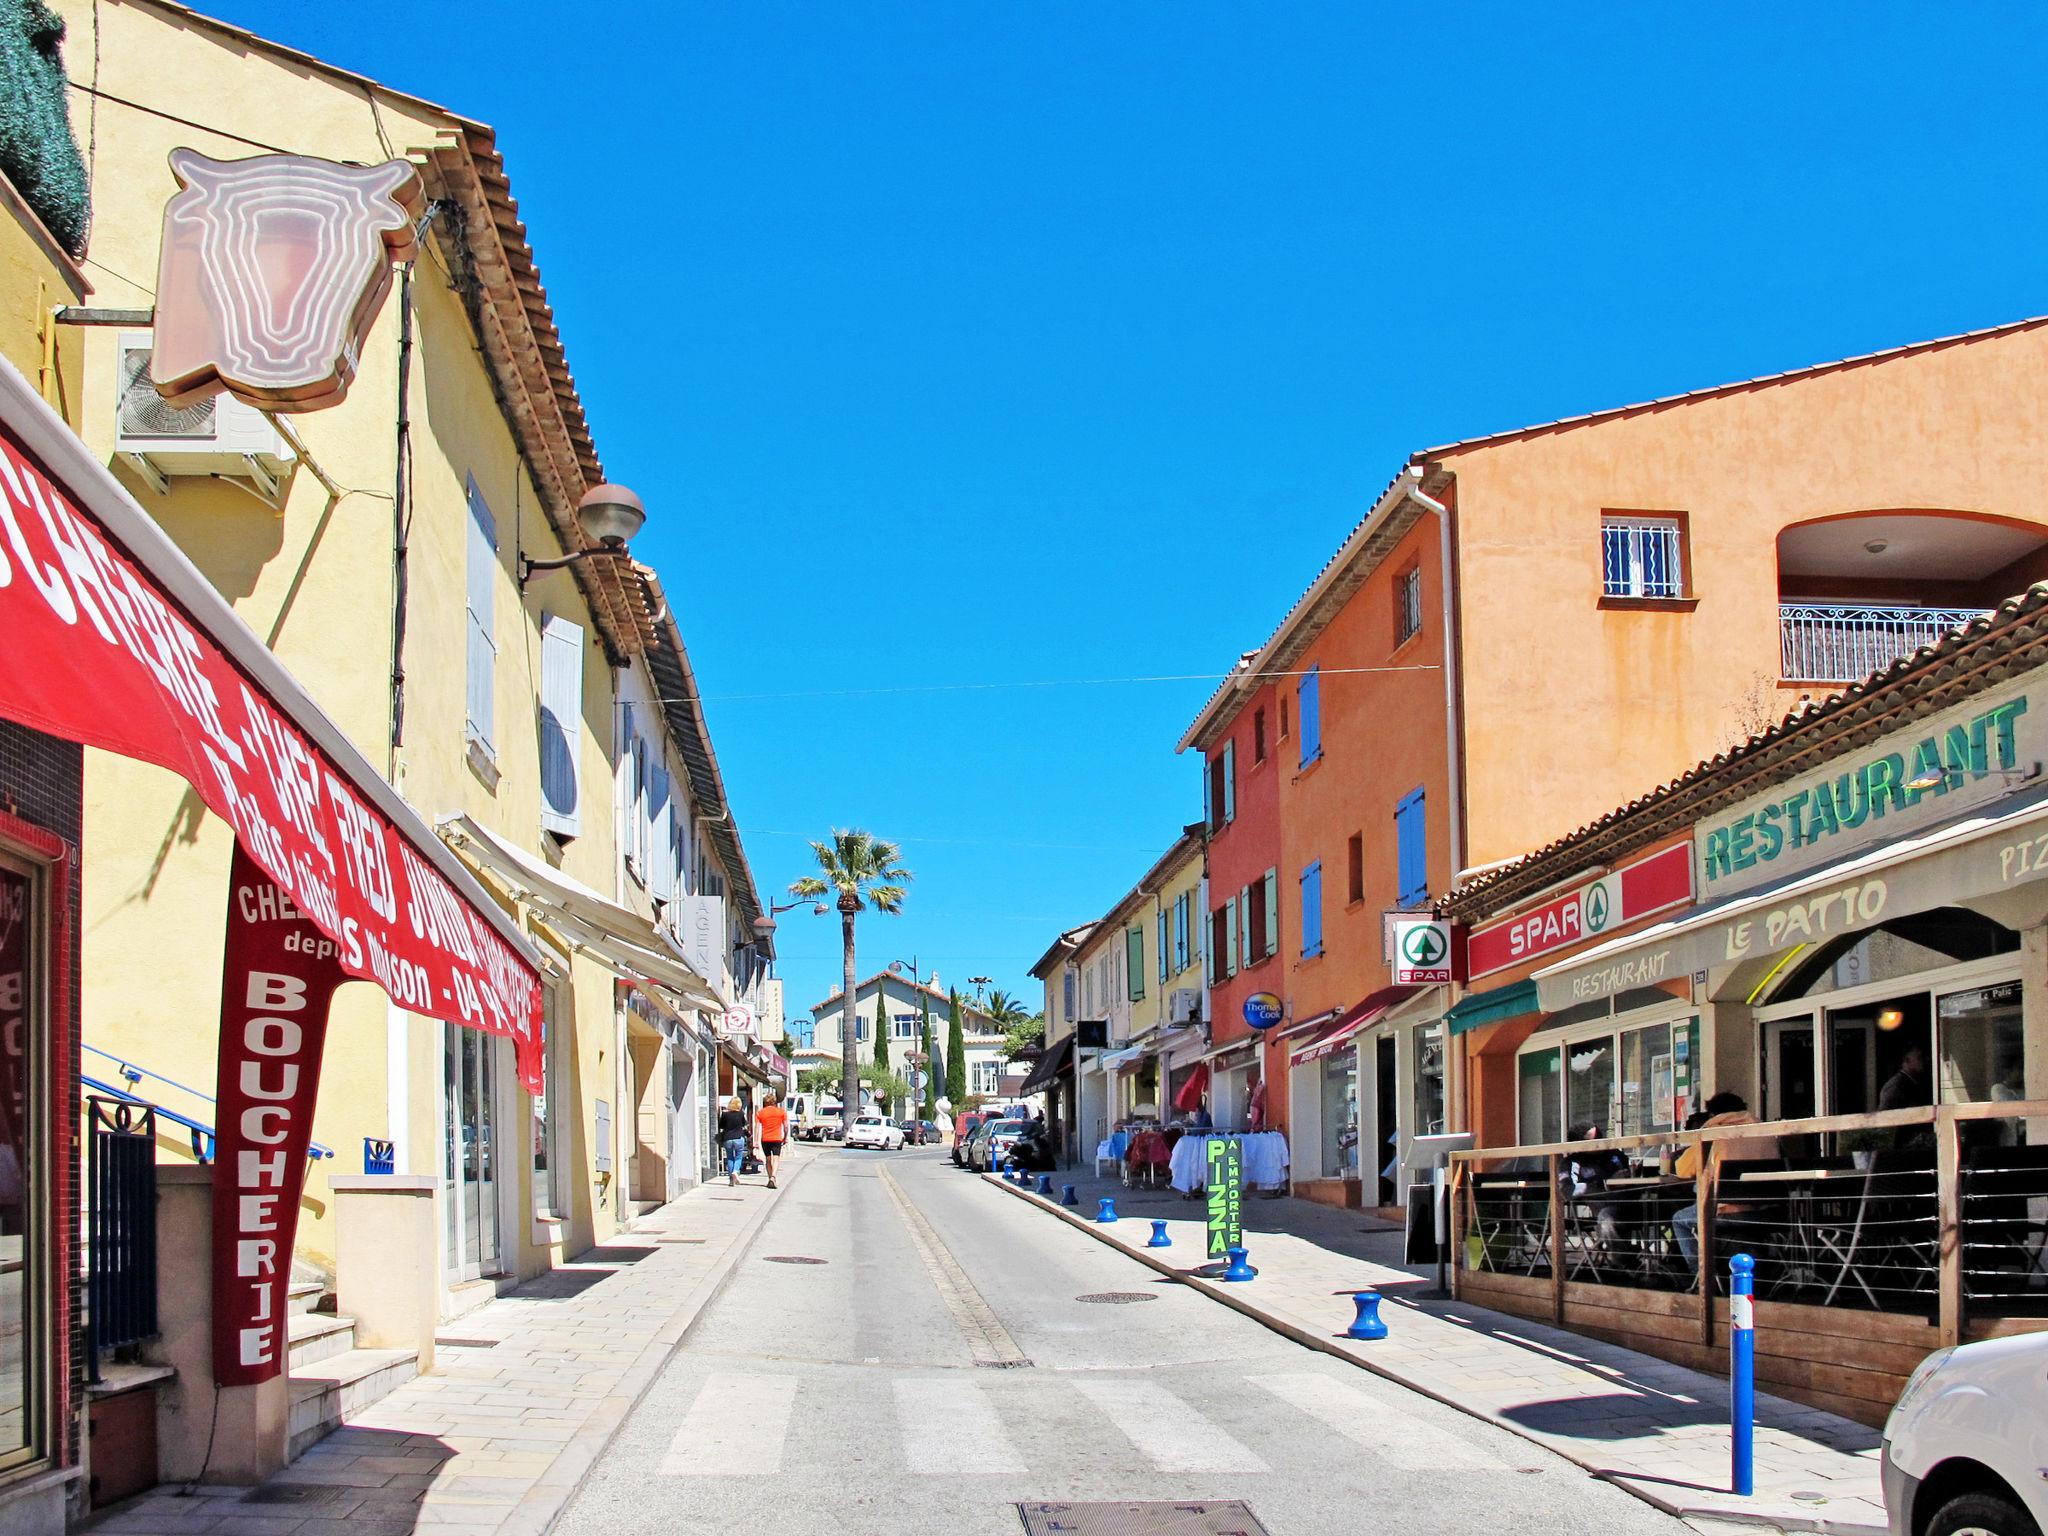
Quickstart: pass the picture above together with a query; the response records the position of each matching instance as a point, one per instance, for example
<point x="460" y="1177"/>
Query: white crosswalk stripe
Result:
<point x="736" y="1427"/>
<point x="1395" y="1436"/>
<point x="1172" y="1435"/>
<point x="949" y="1426"/>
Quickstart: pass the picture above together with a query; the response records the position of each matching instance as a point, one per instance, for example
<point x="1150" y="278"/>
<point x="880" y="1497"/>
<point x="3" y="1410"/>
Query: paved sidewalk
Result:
<point x="494" y="1442"/>
<point x="1658" y="1430"/>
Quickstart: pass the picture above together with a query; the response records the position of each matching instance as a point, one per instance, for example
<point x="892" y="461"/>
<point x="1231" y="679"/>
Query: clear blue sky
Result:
<point x="1001" y="343"/>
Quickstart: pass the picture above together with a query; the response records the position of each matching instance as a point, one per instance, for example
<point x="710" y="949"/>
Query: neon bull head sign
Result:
<point x="271" y="271"/>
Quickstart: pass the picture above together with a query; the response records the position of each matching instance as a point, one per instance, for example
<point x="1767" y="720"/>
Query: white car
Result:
<point x="874" y="1131"/>
<point x="1966" y="1449"/>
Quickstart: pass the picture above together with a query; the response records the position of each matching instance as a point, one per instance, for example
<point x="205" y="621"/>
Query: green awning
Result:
<point x="1517" y="997"/>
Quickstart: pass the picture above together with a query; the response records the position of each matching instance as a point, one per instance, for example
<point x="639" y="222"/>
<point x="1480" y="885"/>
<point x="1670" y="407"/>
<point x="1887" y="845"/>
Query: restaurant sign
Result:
<point x="1925" y="774"/>
<point x="1618" y="898"/>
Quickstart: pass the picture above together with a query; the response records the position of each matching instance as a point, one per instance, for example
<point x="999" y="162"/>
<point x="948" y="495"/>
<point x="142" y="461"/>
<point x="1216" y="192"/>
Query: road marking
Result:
<point x="949" y="1426"/>
<point x="1397" y="1439"/>
<point x="986" y="1336"/>
<point x="1171" y="1434"/>
<point x="735" y="1428"/>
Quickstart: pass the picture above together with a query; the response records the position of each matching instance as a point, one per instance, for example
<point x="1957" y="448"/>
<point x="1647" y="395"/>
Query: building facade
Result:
<point x="906" y="1007"/>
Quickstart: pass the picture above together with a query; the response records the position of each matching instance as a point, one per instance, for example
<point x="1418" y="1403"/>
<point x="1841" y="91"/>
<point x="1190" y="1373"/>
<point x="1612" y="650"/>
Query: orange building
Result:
<point x="1527" y="627"/>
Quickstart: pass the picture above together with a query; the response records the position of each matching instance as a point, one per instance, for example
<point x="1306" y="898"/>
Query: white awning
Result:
<point x="628" y="945"/>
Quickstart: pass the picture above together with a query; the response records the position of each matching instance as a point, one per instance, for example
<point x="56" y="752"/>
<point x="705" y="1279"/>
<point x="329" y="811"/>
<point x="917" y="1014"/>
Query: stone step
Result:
<point x="466" y="1296"/>
<point x="327" y="1392"/>
<point x="304" y="1295"/>
<point x="318" y="1336"/>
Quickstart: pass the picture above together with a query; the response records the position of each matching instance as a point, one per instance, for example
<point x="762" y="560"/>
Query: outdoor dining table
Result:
<point x="1814" y="1241"/>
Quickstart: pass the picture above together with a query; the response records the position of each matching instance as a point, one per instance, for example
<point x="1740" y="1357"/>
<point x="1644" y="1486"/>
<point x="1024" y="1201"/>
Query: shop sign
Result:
<point x="700" y="930"/>
<point x="278" y="978"/>
<point x="1262" y="1010"/>
<point x="1223" y="1174"/>
<point x="271" y="272"/>
<point x="1422" y="952"/>
<point x="739" y="1020"/>
<point x="96" y="652"/>
<point x="1618" y="898"/>
<point x="1914" y="778"/>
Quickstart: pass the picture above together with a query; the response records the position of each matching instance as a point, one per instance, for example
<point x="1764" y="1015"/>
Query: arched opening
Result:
<point x="1858" y="591"/>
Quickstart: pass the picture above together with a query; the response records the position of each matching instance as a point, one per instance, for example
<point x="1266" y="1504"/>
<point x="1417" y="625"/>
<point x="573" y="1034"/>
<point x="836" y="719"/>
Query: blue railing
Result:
<point x="129" y="1091"/>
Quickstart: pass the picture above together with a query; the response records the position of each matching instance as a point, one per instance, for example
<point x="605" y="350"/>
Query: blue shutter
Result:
<point x="1312" y="910"/>
<point x="1412" y="850"/>
<point x="1311" y="716"/>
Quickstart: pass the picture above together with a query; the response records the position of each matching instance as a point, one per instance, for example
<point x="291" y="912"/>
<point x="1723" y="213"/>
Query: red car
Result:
<point x="963" y="1127"/>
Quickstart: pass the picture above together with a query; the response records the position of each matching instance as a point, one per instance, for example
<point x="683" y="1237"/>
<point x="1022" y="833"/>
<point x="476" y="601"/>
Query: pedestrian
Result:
<point x="732" y="1137"/>
<point x="772" y="1122"/>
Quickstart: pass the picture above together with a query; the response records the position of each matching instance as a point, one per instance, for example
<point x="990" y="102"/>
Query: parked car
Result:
<point x="912" y="1136"/>
<point x="1966" y="1447"/>
<point x="875" y="1132"/>
<point x="930" y="1133"/>
<point x="963" y="1127"/>
<point x="991" y="1142"/>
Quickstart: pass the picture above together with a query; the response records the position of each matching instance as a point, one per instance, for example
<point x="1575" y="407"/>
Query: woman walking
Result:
<point x="772" y="1120"/>
<point x="732" y="1137"/>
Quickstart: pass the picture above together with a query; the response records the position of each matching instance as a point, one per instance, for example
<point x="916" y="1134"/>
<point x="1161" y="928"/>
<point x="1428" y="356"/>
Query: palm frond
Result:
<point x="886" y="898"/>
<point x="809" y="888"/>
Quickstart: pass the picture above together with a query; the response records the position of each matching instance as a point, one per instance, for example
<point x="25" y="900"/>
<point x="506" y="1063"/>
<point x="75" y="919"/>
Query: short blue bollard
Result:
<point x="1045" y="1184"/>
<point x="1067" y="1195"/>
<point x="1742" y="1373"/>
<point x="1105" y="1210"/>
<point x="1159" y="1239"/>
<point x="1367" y="1325"/>
<point x="1237" y="1268"/>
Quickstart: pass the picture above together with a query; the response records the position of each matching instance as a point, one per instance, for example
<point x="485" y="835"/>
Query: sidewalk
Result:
<point x="1658" y="1430"/>
<point x="527" y="1392"/>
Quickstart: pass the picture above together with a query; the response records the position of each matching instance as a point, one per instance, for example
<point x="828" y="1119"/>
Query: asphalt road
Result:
<point x="887" y="1390"/>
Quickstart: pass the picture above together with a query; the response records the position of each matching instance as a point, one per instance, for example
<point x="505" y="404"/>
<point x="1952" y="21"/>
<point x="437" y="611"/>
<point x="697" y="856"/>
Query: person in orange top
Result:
<point x="771" y="1125"/>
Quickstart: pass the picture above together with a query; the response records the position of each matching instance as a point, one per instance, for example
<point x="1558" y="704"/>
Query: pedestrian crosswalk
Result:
<point x="960" y="1424"/>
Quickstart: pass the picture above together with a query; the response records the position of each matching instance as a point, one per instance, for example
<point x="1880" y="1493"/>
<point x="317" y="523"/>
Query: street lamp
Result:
<point x="978" y="982"/>
<point x="764" y="925"/>
<point x="610" y="514"/>
<point x="924" y="1003"/>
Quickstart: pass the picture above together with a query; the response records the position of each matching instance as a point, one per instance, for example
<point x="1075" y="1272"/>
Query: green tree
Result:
<point x="1024" y="1033"/>
<point x="882" y="1027"/>
<point x="858" y="870"/>
<point x="956" y="1054"/>
<point x="930" y="1109"/>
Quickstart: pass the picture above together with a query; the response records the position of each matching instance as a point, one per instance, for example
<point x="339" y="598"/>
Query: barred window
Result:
<point x="1641" y="557"/>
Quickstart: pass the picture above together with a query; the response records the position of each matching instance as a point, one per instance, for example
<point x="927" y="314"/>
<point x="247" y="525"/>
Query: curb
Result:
<point x="542" y="1505"/>
<point x="1237" y="1301"/>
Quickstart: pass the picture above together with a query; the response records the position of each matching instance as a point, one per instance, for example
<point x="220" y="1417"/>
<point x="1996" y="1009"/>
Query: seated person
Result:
<point x="1721" y="1109"/>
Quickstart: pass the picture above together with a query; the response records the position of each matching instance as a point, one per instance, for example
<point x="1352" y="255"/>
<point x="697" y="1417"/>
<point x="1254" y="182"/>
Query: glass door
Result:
<point x="470" y="1163"/>
<point x="1790" y="1083"/>
<point x="22" y="1229"/>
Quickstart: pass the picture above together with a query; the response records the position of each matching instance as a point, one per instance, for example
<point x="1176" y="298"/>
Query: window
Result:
<point x="1608" y="1081"/>
<point x="1354" y="867"/>
<point x="25" y="1236"/>
<point x="1411" y="850"/>
<point x="480" y="693"/>
<point x="1067" y="993"/>
<point x="1221" y="787"/>
<point x="1223" y="941"/>
<point x="985" y="1078"/>
<point x="1165" y="935"/>
<point x="1641" y="557"/>
<point x="1134" y="961"/>
<point x="1183" y="907"/>
<point x="903" y="1026"/>
<point x="1259" y="927"/>
<point x="1258" y="735"/>
<point x="550" y="1164"/>
<point x="1983" y="1044"/>
<point x="1541" y="1076"/>
<point x="1312" y="910"/>
<point x="561" y="722"/>
<point x="1311" y="712"/>
<point x="1407" y="605"/>
<point x="1283" y="717"/>
<point x="860" y="1026"/>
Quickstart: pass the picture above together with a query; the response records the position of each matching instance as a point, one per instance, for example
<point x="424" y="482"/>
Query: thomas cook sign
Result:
<point x="1422" y="953"/>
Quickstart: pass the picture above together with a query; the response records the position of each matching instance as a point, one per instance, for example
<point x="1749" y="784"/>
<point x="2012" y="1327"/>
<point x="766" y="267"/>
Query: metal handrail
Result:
<point x="1841" y="642"/>
<point x="133" y="1074"/>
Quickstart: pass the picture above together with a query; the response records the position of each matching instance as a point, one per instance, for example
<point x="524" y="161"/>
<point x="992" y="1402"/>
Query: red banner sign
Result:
<point x="1599" y="907"/>
<point x="279" y="976"/>
<point x="94" y="651"/>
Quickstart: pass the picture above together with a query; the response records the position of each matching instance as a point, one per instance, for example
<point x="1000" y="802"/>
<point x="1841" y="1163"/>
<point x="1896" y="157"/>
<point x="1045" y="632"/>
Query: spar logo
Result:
<point x="1597" y="908"/>
<point x="1422" y="952"/>
<point x="1424" y="946"/>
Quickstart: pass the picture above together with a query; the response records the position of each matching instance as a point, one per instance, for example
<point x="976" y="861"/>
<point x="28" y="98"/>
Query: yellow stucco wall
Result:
<point x="33" y="282"/>
<point x="317" y="584"/>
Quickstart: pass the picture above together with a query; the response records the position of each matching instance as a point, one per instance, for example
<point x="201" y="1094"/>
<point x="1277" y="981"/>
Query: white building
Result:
<point x="905" y="1007"/>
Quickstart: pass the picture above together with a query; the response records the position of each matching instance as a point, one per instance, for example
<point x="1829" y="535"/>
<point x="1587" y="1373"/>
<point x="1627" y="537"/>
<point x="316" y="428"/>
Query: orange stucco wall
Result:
<point x="1240" y="853"/>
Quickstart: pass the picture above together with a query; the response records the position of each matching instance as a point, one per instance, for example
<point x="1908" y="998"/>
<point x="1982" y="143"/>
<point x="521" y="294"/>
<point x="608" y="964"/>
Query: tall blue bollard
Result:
<point x="1105" y="1210"/>
<point x="1159" y="1239"/>
<point x="1238" y="1268"/>
<point x="1067" y="1196"/>
<point x="1742" y="1372"/>
<point x="1368" y="1324"/>
<point x="1045" y="1185"/>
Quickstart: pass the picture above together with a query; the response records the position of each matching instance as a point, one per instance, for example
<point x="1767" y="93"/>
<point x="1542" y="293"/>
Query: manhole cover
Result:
<point x="1116" y="1298"/>
<point x="292" y="1493"/>
<point x="1150" y="1518"/>
<point x="793" y="1258"/>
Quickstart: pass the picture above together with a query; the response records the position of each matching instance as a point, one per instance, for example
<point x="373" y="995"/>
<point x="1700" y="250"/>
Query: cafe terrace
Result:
<point x="1861" y="954"/>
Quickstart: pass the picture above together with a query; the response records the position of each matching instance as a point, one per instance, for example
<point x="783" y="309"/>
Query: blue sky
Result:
<point x="959" y="346"/>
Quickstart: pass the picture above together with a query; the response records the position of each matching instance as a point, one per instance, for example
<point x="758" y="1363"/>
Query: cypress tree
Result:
<point x="930" y="1109"/>
<point x="881" y="1034"/>
<point x="956" y="1052"/>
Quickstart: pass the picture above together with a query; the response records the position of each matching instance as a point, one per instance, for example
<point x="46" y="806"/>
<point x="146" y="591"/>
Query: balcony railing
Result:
<point x="1840" y="642"/>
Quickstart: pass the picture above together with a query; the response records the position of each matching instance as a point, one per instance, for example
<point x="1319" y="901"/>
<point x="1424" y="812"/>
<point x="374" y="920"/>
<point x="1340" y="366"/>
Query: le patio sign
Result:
<point x="1422" y="952"/>
<point x="1622" y="896"/>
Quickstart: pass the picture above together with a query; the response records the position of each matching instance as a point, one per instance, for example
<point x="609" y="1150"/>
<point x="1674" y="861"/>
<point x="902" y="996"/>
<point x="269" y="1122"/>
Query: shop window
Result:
<point x="1647" y="1082"/>
<point x="1642" y="557"/>
<point x="1589" y="1088"/>
<point x="1983" y="1044"/>
<point x="1340" y="1115"/>
<point x="1901" y="948"/>
<point x="1354" y="867"/>
<point x="1540" y="1121"/>
<point x="1407" y="605"/>
<point x="1429" y="1081"/>
<point x="24" y="1228"/>
<point x="1310" y="695"/>
<point x="550" y="1166"/>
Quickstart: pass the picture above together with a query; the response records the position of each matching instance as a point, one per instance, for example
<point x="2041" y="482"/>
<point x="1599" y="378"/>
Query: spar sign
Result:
<point x="1422" y="952"/>
<point x="1623" y="896"/>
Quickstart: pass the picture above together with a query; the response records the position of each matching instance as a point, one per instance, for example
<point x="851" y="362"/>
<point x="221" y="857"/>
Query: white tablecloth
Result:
<point x="1265" y="1160"/>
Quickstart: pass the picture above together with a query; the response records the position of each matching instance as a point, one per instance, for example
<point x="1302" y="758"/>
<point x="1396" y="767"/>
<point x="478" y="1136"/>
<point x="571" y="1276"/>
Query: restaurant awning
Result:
<point x="1517" y="997"/>
<point x="1356" y="1019"/>
<point x="1226" y="1058"/>
<point x="1052" y="1061"/>
<point x="113" y="639"/>
<point x="628" y="945"/>
<point x="1976" y="857"/>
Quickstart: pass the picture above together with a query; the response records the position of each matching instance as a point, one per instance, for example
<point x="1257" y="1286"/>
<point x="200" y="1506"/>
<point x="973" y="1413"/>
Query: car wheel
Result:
<point x="1981" y="1514"/>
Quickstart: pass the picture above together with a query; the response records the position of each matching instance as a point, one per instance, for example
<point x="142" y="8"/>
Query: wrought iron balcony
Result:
<point x="1841" y="642"/>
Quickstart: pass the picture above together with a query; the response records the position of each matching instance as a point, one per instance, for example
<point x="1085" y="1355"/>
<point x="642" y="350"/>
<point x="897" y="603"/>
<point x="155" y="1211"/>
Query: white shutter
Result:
<point x="482" y="571"/>
<point x="661" y="850"/>
<point x="561" y="724"/>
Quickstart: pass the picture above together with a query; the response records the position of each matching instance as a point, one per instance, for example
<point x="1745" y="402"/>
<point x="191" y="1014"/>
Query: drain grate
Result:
<point x="293" y="1493"/>
<point x="1008" y="1363"/>
<point x="1159" y="1517"/>
<point x="1116" y="1298"/>
<point x="442" y="1341"/>
<point x="793" y="1258"/>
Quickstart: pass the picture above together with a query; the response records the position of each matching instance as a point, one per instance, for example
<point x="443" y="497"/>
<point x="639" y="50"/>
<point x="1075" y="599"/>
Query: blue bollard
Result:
<point x="1368" y="1324"/>
<point x="1105" y="1210"/>
<point x="1159" y="1239"/>
<point x="1238" y="1269"/>
<point x="1742" y="1372"/>
<point x="1045" y="1185"/>
<point x="1067" y="1195"/>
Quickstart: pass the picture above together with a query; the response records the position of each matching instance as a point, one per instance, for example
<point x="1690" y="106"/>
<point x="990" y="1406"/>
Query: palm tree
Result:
<point x="859" y="870"/>
<point x="1005" y="1011"/>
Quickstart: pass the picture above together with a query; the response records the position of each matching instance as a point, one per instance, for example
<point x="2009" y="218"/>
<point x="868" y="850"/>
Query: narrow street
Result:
<point x="940" y="1366"/>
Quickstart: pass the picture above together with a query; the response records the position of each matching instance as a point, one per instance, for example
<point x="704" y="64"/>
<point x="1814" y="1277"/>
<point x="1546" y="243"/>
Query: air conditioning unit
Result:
<point x="1184" y="1006"/>
<point x="219" y="436"/>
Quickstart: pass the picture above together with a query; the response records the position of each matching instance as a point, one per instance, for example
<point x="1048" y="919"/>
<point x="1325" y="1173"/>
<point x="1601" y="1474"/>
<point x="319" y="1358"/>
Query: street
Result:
<point x="939" y="1368"/>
